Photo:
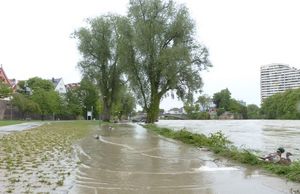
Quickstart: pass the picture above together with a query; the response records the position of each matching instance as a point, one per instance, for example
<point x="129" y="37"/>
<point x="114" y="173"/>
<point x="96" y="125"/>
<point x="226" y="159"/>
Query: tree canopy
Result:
<point x="162" y="53"/>
<point x="5" y="90"/>
<point x="100" y="46"/>
<point x="284" y="105"/>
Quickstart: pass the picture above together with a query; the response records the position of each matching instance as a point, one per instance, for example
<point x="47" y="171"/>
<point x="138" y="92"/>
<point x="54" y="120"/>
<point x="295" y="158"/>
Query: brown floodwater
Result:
<point x="129" y="159"/>
<point x="263" y="136"/>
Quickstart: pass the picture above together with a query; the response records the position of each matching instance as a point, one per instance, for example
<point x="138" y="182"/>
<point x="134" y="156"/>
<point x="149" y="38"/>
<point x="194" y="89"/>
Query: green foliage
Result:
<point x="198" y="109"/>
<point x="125" y="105"/>
<point x="218" y="139"/>
<point x="37" y="83"/>
<point x="74" y="103"/>
<point x="198" y="116"/>
<point x="5" y="90"/>
<point x="236" y="107"/>
<point x="42" y="98"/>
<point x="82" y="99"/>
<point x="222" y="99"/>
<point x="48" y="101"/>
<point x="101" y="47"/>
<point x="25" y="104"/>
<point x="253" y="111"/>
<point x="89" y="97"/>
<point x="224" y="102"/>
<point x="204" y="101"/>
<point x="284" y="105"/>
<point x="189" y="108"/>
<point x="162" y="53"/>
<point x="10" y="122"/>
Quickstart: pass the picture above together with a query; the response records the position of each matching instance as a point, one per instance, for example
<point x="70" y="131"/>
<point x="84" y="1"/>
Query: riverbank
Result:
<point x="220" y="145"/>
<point x="42" y="159"/>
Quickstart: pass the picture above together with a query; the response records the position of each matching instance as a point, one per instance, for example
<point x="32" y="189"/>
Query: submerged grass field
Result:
<point x="40" y="159"/>
<point x="220" y="145"/>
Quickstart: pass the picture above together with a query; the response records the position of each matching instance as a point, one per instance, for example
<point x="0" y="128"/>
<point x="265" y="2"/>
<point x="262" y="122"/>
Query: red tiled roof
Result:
<point x="71" y="86"/>
<point x="3" y="76"/>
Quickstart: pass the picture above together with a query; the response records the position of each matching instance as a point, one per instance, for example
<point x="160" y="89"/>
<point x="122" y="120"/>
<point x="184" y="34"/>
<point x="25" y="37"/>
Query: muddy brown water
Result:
<point x="264" y="136"/>
<point x="129" y="159"/>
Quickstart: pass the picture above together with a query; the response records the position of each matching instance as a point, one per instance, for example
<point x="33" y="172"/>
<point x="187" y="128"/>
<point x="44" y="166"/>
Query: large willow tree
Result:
<point x="100" y="45"/>
<point x="163" y="53"/>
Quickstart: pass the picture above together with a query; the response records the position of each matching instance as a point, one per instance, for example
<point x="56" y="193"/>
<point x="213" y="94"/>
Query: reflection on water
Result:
<point x="262" y="135"/>
<point x="129" y="159"/>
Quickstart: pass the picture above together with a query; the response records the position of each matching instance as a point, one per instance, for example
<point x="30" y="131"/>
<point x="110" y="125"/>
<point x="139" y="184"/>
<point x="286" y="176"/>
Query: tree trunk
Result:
<point x="106" y="112"/>
<point x="153" y="110"/>
<point x="2" y="109"/>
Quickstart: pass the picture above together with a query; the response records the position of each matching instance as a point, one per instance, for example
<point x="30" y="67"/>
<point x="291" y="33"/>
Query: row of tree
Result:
<point x="37" y="96"/>
<point x="220" y="103"/>
<point x="283" y="105"/>
<point x="150" y="52"/>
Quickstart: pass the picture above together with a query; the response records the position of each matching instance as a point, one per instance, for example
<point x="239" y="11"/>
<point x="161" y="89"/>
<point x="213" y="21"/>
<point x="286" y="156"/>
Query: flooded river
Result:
<point x="129" y="159"/>
<point x="261" y="135"/>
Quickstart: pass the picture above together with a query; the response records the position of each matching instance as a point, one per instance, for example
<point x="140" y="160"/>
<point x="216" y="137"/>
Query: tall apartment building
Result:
<point x="278" y="78"/>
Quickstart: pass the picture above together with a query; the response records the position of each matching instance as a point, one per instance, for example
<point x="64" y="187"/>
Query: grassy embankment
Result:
<point x="40" y="159"/>
<point x="13" y="122"/>
<point x="221" y="146"/>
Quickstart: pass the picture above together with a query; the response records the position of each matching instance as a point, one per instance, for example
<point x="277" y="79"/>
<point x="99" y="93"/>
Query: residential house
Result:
<point x="59" y="85"/>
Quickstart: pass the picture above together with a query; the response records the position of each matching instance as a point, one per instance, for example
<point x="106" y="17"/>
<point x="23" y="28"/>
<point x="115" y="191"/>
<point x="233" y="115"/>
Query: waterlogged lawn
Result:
<point x="4" y="123"/>
<point x="220" y="145"/>
<point x="41" y="159"/>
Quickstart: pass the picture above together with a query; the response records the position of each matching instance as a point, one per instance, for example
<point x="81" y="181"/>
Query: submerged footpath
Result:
<point x="221" y="146"/>
<point x="127" y="158"/>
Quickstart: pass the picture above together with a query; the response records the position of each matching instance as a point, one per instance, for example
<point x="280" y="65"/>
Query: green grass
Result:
<point x="221" y="146"/>
<point x="9" y="122"/>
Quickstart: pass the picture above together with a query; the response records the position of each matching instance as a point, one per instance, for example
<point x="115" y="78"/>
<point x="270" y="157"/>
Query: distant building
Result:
<point x="276" y="78"/>
<point x="176" y="111"/>
<point x="59" y="85"/>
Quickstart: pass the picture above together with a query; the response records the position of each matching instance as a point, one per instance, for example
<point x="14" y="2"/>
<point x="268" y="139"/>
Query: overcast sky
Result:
<point x="240" y="35"/>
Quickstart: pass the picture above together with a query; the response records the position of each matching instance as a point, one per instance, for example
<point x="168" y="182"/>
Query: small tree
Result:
<point x="222" y="99"/>
<point x="253" y="111"/>
<point x="44" y="95"/>
<point x="204" y="101"/>
<point x="89" y="96"/>
<point x="5" y="90"/>
<point x="25" y="105"/>
<point x="125" y="105"/>
<point x="74" y="103"/>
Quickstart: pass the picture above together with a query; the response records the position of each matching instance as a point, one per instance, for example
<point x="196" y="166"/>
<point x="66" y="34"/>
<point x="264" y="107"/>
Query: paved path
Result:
<point x="19" y="127"/>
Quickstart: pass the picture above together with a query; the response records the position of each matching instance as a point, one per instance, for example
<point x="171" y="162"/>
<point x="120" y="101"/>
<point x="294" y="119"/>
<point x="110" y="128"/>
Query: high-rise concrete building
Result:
<point x="278" y="78"/>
